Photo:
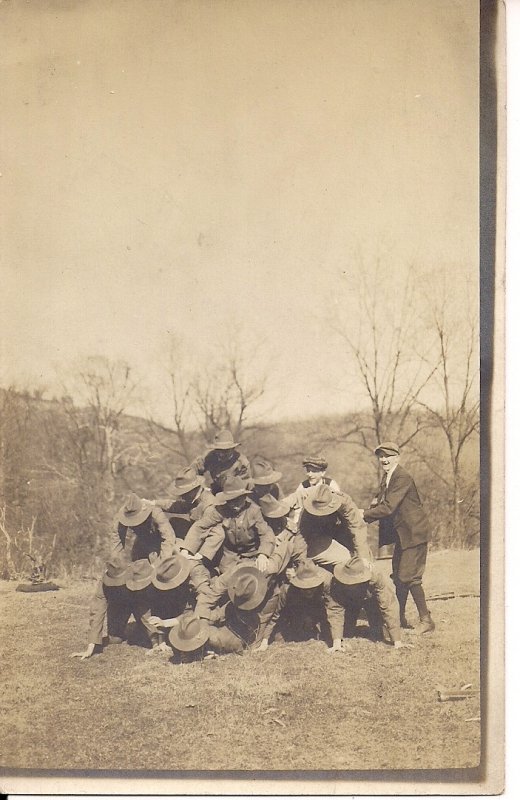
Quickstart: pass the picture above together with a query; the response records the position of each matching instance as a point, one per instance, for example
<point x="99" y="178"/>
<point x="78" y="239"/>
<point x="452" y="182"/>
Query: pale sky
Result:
<point x="170" y="166"/>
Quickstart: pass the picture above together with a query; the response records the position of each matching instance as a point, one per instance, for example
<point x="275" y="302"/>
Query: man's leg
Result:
<point x="411" y="571"/>
<point x="401" y="589"/>
<point x="118" y="612"/>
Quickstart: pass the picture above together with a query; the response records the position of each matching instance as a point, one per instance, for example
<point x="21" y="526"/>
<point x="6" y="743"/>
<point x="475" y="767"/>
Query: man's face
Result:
<point x="262" y="489"/>
<point x="387" y="462"/>
<point x="314" y="475"/>
<point x="237" y="504"/>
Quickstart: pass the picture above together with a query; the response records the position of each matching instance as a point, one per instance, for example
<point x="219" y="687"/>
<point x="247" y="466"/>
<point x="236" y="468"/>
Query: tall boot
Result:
<point x="401" y="590"/>
<point x="426" y="623"/>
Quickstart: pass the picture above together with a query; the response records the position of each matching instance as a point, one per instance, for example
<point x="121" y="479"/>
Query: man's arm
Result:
<point x="164" y="527"/>
<point x="206" y="535"/>
<point x="357" y="527"/>
<point x="265" y="532"/>
<point x="208" y="601"/>
<point x="395" y="493"/>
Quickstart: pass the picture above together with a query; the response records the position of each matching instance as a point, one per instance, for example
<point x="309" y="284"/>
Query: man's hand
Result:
<point x="400" y="645"/>
<point x="153" y="557"/>
<point x="157" y="621"/>
<point x="262" y="562"/>
<point x="190" y="557"/>
<point x="373" y="502"/>
<point x="85" y="654"/>
<point x="262" y="647"/>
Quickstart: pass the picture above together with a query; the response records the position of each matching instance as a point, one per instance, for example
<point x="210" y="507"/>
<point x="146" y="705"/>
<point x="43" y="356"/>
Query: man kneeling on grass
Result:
<point x="356" y="585"/>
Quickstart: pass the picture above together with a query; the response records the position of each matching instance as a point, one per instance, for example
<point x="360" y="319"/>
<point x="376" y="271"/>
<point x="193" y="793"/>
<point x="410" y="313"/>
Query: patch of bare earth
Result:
<point x="293" y="707"/>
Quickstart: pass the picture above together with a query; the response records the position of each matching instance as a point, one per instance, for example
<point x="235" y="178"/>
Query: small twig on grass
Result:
<point x="279" y="722"/>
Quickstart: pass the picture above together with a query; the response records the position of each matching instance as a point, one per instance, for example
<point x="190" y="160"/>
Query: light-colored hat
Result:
<point x="262" y="472"/>
<point x="224" y="441"/>
<point x="387" y="449"/>
<point x="352" y="572"/>
<point x="190" y="634"/>
<point x="272" y="508"/>
<point x="116" y="571"/>
<point x="233" y="487"/>
<point x="318" y="462"/>
<point x="171" y="572"/>
<point x="322" y="501"/>
<point x="185" y="480"/>
<point x="134" y="511"/>
<point x="307" y="575"/>
<point x="140" y="574"/>
<point x="247" y="588"/>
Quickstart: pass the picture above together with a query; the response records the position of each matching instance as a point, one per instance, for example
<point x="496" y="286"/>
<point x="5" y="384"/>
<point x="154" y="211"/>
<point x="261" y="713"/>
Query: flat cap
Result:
<point x="387" y="449"/>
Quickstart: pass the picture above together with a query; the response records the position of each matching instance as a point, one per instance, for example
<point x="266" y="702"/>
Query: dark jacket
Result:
<point x="400" y="512"/>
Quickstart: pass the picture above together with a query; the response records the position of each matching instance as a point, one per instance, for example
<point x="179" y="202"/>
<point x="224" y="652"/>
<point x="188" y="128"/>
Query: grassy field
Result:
<point x="294" y="707"/>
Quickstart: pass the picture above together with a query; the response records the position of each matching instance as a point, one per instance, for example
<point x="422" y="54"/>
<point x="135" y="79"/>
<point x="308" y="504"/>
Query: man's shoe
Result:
<point x="426" y="625"/>
<point x="115" y="640"/>
<point x="405" y="624"/>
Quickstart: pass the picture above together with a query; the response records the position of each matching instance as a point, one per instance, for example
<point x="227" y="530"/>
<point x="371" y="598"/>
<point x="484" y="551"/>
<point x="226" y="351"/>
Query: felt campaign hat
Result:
<point x="233" y="487"/>
<point x="247" y="587"/>
<point x="321" y="501"/>
<point x="185" y="480"/>
<point x="262" y="472"/>
<point x="190" y="634"/>
<point x="352" y="572"/>
<point x="171" y="572"/>
<point x="272" y="508"/>
<point x="307" y="575"/>
<point x="318" y="462"/>
<point x="116" y="571"/>
<point x="140" y="574"/>
<point x="134" y="510"/>
<point x="224" y="441"/>
<point x="387" y="449"/>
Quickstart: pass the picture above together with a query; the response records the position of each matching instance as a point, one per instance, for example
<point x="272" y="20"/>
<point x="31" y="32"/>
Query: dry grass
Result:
<point x="294" y="707"/>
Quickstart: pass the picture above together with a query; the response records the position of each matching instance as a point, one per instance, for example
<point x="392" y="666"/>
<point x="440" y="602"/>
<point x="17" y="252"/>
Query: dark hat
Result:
<point x="321" y="501"/>
<point x="272" y="508"/>
<point x="140" y="574"/>
<point x="307" y="575"/>
<point x="171" y="572"/>
<point x="185" y="480"/>
<point x="224" y="441"/>
<point x="247" y="587"/>
<point x="190" y="634"/>
<point x="387" y="449"/>
<point x="352" y="572"/>
<point x="134" y="510"/>
<point x="318" y="462"/>
<point x="262" y="472"/>
<point x="233" y="487"/>
<point x="116" y="571"/>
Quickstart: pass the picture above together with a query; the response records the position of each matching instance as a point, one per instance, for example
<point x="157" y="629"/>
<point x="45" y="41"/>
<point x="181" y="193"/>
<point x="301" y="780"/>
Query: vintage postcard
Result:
<point x="251" y="393"/>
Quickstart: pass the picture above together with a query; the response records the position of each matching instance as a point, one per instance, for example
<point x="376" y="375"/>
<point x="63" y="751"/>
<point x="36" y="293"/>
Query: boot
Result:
<point x="426" y="625"/>
<point x="405" y="624"/>
<point x="115" y="639"/>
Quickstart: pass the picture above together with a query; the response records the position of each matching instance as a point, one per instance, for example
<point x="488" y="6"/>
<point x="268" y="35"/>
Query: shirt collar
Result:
<point x="390" y="473"/>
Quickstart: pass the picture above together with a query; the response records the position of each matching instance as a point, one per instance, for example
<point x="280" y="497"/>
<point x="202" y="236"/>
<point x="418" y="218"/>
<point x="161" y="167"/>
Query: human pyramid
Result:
<point x="223" y="564"/>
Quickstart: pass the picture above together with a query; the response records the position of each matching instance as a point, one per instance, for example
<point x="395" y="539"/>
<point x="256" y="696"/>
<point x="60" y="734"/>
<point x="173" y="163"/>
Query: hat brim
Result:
<point x="223" y="497"/>
<point x="228" y="446"/>
<point x="325" y="510"/>
<point x="188" y="645"/>
<point x="120" y="580"/>
<point x="179" y="579"/>
<point x="136" y="585"/>
<point x="315" y="466"/>
<point x="174" y="490"/>
<point x="265" y="480"/>
<point x="131" y="520"/>
<point x="259" y="593"/>
<point x="385" y="451"/>
<point x="309" y="583"/>
<point x="351" y="581"/>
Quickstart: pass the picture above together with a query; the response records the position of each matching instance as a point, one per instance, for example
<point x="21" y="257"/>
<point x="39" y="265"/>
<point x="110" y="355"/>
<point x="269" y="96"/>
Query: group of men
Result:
<point x="224" y="563"/>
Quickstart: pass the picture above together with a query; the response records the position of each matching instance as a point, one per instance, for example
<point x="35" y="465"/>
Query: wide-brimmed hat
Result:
<point x="185" y="480"/>
<point x="224" y="441"/>
<point x="134" y="510"/>
<point x="190" y="634"/>
<point x="307" y="575"/>
<point x="387" y="449"/>
<point x="318" y="462"/>
<point x="139" y="575"/>
<point x="247" y="587"/>
<point x="116" y="571"/>
<point x="321" y="501"/>
<point x="171" y="572"/>
<point x="262" y="472"/>
<point x="272" y="508"/>
<point x="233" y="487"/>
<point x="352" y="572"/>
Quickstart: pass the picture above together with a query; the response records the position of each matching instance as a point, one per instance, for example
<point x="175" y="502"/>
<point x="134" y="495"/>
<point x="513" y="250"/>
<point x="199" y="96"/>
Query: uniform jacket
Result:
<point x="235" y="466"/>
<point x="155" y="534"/>
<point x="400" y="512"/>
<point x="346" y="525"/>
<point x="289" y="550"/>
<point x="246" y="533"/>
<point x="182" y="514"/>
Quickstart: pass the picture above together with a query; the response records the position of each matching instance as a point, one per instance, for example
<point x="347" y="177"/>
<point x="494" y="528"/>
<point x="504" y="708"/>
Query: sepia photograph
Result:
<point x="251" y="503"/>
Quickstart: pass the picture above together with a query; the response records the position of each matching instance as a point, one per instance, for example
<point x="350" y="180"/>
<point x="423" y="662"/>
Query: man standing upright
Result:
<point x="403" y="521"/>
